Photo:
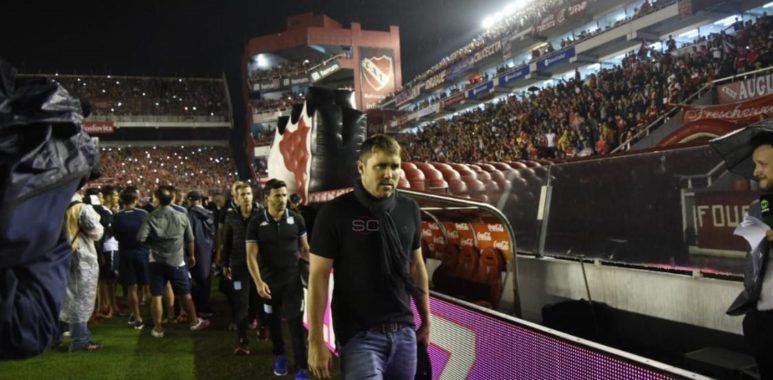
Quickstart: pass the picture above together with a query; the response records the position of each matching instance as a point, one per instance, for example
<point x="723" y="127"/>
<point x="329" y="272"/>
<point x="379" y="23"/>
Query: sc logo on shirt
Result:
<point x="365" y="225"/>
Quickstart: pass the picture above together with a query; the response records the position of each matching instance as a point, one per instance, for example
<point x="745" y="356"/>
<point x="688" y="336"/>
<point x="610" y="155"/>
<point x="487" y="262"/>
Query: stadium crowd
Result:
<point x="110" y="95"/>
<point x="146" y="167"/>
<point x="291" y="69"/>
<point x="525" y="18"/>
<point x="593" y="115"/>
<point x="282" y="103"/>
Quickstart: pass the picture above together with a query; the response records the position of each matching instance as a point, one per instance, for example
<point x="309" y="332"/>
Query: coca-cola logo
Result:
<point x="453" y="234"/>
<point x="484" y="236"/>
<point x="467" y="241"/>
<point x="462" y="226"/>
<point x="438" y="240"/>
<point x="496" y="228"/>
<point x="502" y="244"/>
<point x="433" y="226"/>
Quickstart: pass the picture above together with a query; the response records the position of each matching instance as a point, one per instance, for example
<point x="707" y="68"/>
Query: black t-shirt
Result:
<point x="126" y="225"/>
<point x="277" y="245"/>
<point x="348" y="233"/>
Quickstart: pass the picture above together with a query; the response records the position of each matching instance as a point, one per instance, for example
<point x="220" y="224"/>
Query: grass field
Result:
<point x="130" y="354"/>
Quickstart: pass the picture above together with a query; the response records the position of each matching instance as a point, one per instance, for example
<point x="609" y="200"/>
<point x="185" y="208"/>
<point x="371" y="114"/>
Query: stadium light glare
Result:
<point x="689" y="34"/>
<point x="768" y="5"/>
<point x="727" y="21"/>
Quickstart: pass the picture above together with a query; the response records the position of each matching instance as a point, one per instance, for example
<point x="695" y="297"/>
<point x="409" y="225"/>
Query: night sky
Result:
<point x="206" y="38"/>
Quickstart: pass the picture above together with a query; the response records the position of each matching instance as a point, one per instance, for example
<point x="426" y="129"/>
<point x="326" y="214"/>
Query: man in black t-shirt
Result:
<point x="273" y="238"/>
<point x="134" y="258"/>
<point x="371" y="237"/>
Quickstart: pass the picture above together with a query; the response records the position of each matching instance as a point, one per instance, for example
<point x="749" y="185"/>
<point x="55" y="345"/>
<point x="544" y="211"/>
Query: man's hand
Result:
<point x="263" y="289"/>
<point x="320" y="359"/>
<point x="422" y="334"/>
<point x="191" y="261"/>
<point x="770" y="235"/>
<point x="227" y="273"/>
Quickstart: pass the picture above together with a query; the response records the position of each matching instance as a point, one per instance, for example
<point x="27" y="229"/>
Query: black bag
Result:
<point x="45" y="157"/>
<point x="423" y="363"/>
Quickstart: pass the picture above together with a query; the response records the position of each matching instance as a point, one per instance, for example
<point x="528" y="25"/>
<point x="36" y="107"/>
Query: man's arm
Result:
<point x="421" y="296"/>
<point x="254" y="268"/>
<point x="144" y="231"/>
<point x="305" y="247"/>
<point x="190" y="243"/>
<point x="320" y="359"/>
<point x="219" y="237"/>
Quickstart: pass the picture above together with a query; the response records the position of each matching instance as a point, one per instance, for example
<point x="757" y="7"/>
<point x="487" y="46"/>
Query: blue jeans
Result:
<point x="377" y="355"/>
<point x="80" y="335"/>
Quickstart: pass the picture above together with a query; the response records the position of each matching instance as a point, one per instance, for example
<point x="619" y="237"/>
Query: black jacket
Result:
<point x="235" y="228"/>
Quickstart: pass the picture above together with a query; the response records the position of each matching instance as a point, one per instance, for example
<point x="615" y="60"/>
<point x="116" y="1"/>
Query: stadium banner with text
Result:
<point x="513" y="76"/>
<point x="406" y="96"/>
<point x="740" y="112"/>
<point x="487" y="51"/>
<point x="377" y="75"/>
<point x="428" y="110"/>
<point x="481" y="90"/>
<point x="98" y="127"/>
<point x="560" y="17"/>
<point x="459" y="68"/>
<point x="269" y="85"/>
<point x="435" y="80"/>
<point x="294" y="81"/>
<point x="717" y="214"/>
<point x="453" y="99"/>
<point x="556" y="58"/>
<point x="324" y="71"/>
<point x="746" y="89"/>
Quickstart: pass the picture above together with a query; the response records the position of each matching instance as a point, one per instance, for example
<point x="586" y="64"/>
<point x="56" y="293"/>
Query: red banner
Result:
<point x="98" y="127"/>
<point x="746" y="89"/>
<point x="739" y="113"/>
<point x="717" y="214"/>
<point x="454" y="99"/>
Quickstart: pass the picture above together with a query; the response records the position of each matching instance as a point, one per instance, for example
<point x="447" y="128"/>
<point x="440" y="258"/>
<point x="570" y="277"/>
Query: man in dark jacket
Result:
<point x="203" y="224"/>
<point x="756" y="300"/>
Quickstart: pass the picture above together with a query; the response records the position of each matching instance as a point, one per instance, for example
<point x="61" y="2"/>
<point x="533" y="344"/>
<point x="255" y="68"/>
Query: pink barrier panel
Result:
<point x="469" y="344"/>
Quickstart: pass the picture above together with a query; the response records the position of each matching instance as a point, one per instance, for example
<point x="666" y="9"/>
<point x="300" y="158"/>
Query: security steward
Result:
<point x="273" y="241"/>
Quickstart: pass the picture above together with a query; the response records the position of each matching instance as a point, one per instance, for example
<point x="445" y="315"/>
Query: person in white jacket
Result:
<point x="83" y="229"/>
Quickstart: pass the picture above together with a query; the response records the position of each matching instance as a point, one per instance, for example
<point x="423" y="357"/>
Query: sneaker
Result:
<point x="157" y="333"/>
<point x="302" y="374"/>
<point x="242" y="349"/>
<point x="201" y="324"/>
<point x="138" y="325"/>
<point x="66" y="334"/>
<point x="88" y="347"/>
<point x="131" y="319"/>
<point x="263" y="333"/>
<point x="280" y="365"/>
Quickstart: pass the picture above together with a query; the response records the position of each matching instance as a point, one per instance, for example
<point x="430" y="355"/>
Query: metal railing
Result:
<point x="665" y="117"/>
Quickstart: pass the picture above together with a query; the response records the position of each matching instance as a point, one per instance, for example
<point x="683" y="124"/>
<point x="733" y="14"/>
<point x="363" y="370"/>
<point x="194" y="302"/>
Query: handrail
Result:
<point x="646" y="131"/>
<point x="709" y="177"/>
<point x="659" y="121"/>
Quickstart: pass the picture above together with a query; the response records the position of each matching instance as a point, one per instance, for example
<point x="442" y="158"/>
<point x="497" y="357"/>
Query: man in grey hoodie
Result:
<point x="167" y="231"/>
